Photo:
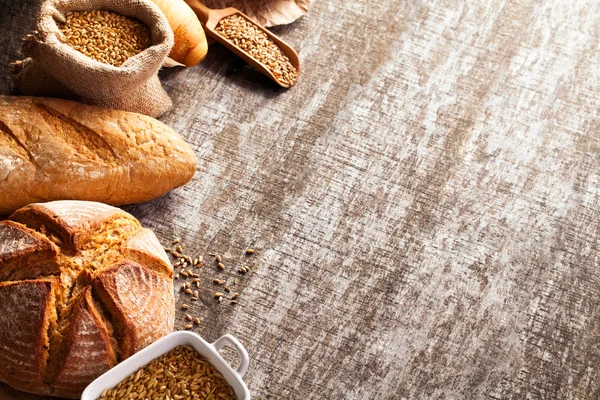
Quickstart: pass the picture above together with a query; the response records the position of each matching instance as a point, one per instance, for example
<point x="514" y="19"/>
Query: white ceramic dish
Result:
<point x="210" y="351"/>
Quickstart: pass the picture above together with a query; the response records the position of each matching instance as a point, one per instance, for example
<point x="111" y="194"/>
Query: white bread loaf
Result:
<point x="54" y="149"/>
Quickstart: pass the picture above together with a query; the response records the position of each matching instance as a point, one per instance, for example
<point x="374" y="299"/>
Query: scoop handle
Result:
<point x="202" y="12"/>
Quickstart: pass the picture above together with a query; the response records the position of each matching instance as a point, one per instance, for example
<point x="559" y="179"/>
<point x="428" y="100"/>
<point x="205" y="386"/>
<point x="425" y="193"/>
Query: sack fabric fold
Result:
<point x="53" y="68"/>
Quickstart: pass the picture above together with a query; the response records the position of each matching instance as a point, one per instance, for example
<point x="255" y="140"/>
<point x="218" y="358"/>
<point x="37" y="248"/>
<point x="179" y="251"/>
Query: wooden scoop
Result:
<point x="210" y="19"/>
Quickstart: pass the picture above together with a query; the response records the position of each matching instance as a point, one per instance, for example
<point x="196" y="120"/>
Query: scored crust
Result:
<point x="86" y="350"/>
<point x="24" y="253"/>
<point x="72" y="222"/>
<point x="139" y="301"/>
<point x="27" y="310"/>
<point x="144" y="248"/>
<point x="104" y="291"/>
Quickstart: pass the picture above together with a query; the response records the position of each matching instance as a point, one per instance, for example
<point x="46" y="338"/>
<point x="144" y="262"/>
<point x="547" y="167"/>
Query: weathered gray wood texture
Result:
<point x="424" y="203"/>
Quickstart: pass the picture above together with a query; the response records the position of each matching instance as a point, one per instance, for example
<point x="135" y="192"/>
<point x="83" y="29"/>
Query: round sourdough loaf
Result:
<point x="82" y="287"/>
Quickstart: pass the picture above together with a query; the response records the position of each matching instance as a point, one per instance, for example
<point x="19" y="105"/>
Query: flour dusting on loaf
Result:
<point x="16" y="239"/>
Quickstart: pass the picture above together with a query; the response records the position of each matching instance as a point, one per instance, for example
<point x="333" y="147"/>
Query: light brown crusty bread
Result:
<point x="54" y="149"/>
<point x="190" y="45"/>
<point x="82" y="287"/>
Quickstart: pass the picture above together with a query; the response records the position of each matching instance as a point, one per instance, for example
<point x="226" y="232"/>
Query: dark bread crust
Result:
<point x="25" y="253"/>
<point x="85" y="351"/>
<point x="73" y="221"/>
<point x="27" y="311"/>
<point x="139" y="300"/>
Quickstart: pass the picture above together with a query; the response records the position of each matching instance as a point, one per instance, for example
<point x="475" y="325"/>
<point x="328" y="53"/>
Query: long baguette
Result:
<point x="54" y="149"/>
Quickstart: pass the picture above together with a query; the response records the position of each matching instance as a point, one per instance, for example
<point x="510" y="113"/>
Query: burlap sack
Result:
<point x="55" y="69"/>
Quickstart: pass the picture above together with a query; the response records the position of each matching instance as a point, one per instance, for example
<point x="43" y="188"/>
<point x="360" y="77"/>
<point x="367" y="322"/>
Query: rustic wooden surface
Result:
<point x="425" y="202"/>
